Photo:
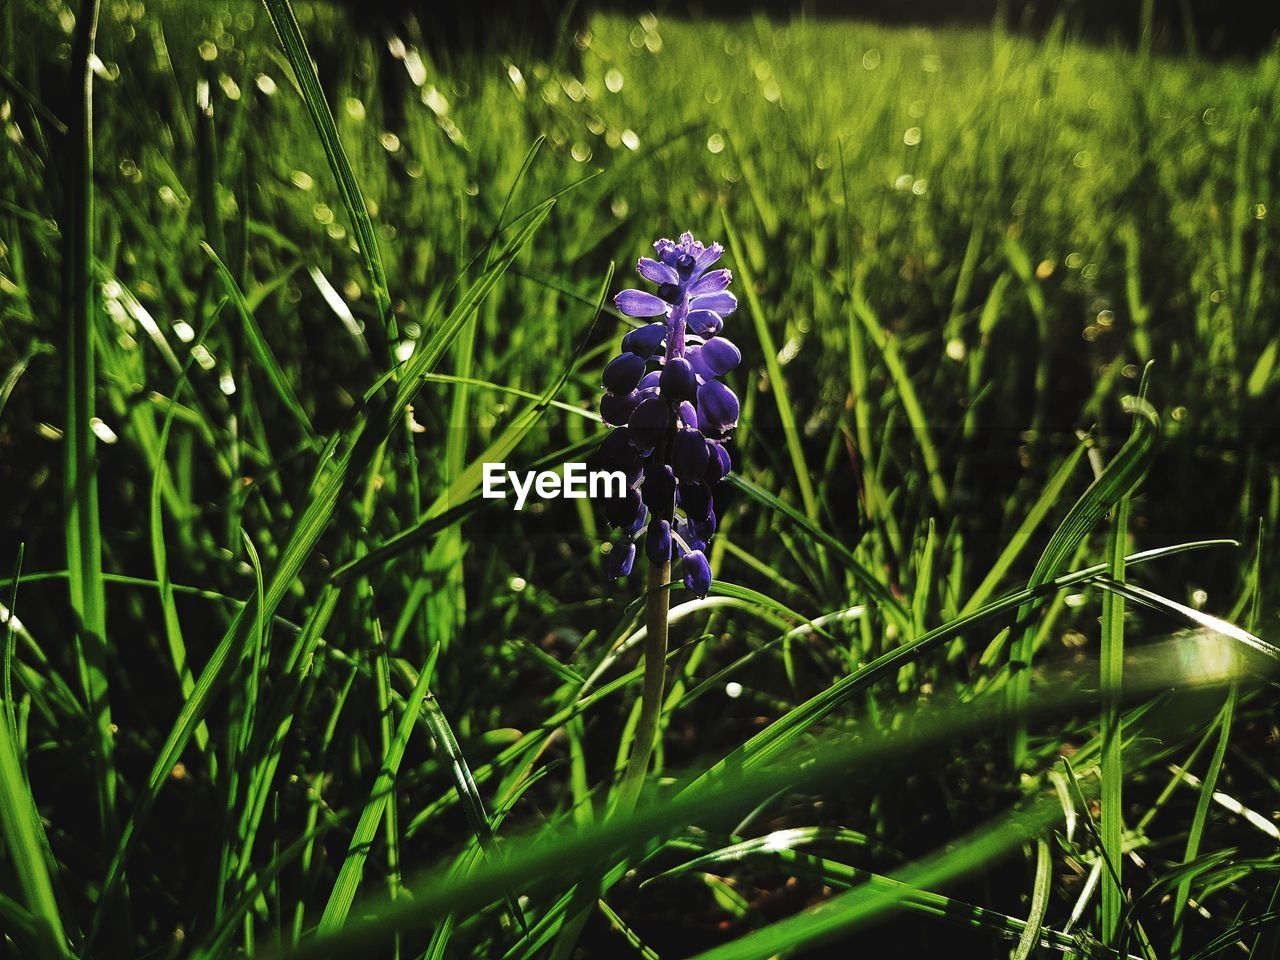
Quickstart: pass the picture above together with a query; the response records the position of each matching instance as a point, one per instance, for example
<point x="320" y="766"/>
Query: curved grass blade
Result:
<point x="304" y="69"/>
<point x="721" y="800"/>
<point x="260" y="348"/>
<point x="335" y="478"/>
<point x="349" y="875"/>
<point x="1121" y="475"/>
<point x="875" y="589"/>
<point x="25" y="846"/>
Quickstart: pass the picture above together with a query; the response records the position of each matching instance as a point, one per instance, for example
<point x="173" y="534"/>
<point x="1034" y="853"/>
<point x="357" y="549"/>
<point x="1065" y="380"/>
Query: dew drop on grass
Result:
<point x="517" y="584"/>
<point x="871" y="59"/>
<point x="715" y="143"/>
<point x="404" y="350"/>
<point x="733" y="689"/>
<point x="183" y="331"/>
<point x="203" y="357"/>
<point x="301" y="180"/>
<point x="630" y="140"/>
<point x="1199" y="598"/>
<point x="265" y="84"/>
<point x="322" y="213"/>
<point x="227" y="383"/>
<point x="390" y="142"/>
<point x="355" y="108"/>
<point x="912" y="136"/>
<point x="208" y="50"/>
<point x="920" y="187"/>
<point x="230" y="89"/>
<point x="580" y="152"/>
<point x="620" y="207"/>
<point x="613" y="80"/>
<point x="955" y="349"/>
<point x="903" y="182"/>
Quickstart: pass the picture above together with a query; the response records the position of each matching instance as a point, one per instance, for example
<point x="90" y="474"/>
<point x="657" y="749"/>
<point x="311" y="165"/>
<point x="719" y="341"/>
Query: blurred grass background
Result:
<point x="955" y="252"/>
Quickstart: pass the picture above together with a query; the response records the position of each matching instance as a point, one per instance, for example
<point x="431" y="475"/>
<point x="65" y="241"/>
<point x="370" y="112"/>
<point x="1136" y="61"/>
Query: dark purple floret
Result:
<point x="649" y="423"/>
<point x="615" y="409"/>
<point x="689" y="455"/>
<point x="645" y="341"/>
<point x="620" y="558"/>
<point x="697" y="573"/>
<point x="658" y="544"/>
<point x="671" y="423"/>
<point x="717" y="408"/>
<point x="677" y="381"/>
<point x="623" y="373"/>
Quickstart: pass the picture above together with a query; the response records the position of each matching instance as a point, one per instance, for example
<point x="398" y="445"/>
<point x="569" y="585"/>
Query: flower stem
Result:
<point x="655" y="665"/>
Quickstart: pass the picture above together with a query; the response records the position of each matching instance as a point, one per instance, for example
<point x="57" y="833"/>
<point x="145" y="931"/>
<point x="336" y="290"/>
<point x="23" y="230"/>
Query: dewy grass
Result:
<point x="274" y="289"/>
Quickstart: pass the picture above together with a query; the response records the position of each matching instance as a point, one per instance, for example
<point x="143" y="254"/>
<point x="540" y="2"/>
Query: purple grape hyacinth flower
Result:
<point x="671" y="414"/>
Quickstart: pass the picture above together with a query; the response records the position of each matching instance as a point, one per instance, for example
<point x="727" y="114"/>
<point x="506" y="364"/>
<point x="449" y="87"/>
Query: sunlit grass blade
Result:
<point x="80" y="475"/>
<point x="721" y="797"/>
<point x="24" y="844"/>
<point x="337" y="475"/>
<point x="295" y="48"/>
<point x="349" y="875"/>
<point x="777" y="383"/>
<point x="1121" y="475"/>
<point x="259" y="347"/>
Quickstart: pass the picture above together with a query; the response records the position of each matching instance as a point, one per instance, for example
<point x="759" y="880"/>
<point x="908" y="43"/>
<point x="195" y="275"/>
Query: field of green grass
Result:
<point x="986" y="668"/>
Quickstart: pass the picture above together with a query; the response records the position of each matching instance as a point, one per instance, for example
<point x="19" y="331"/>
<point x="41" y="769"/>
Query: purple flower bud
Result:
<point x="705" y="323"/>
<point x="695" y="500"/>
<point x="645" y="341"/>
<point x="703" y="530"/>
<point x="617" y="453"/>
<point x="648" y="423"/>
<point x="622" y="511"/>
<point x="718" y="462"/>
<point x="669" y="291"/>
<point x="618" y="561"/>
<point x="717" y="408"/>
<point x="688" y="415"/>
<point x="677" y="381"/>
<point x="720" y="356"/>
<point x="623" y="373"/>
<point x="697" y="573"/>
<point x="616" y="408"/>
<point x="657" y="546"/>
<point x="689" y="455"/>
<point x="659" y="490"/>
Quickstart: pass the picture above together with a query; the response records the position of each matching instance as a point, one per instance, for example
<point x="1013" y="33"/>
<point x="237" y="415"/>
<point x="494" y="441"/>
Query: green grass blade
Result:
<point x="295" y="48"/>
<point x="1121" y="475"/>
<point x="80" y="479"/>
<point x="350" y="873"/>
<point x="259" y="347"/>
<point x="777" y="383"/>
<point x="24" y="845"/>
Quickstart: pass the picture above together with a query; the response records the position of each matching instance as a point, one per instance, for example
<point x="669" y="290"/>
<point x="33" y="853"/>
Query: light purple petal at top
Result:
<point x="656" y="270"/>
<point x="723" y="303"/>
<point x="713" y="282"/>
<point x="637" y="303"/>
<point x="705" y="259"/>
